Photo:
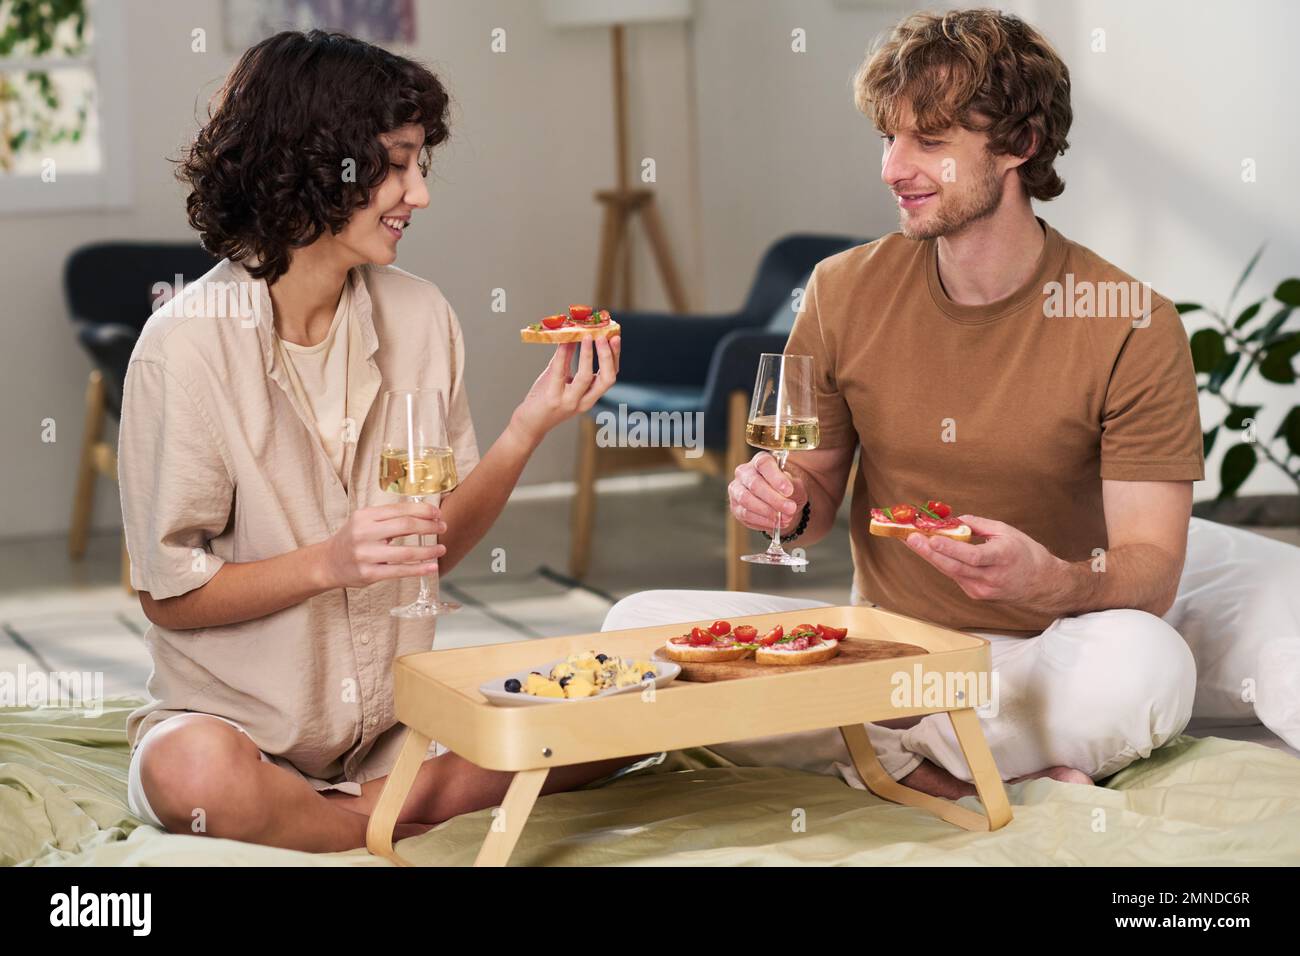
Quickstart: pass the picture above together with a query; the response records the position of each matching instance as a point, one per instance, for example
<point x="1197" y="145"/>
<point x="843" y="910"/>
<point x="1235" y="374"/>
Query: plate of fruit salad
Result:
<point x="585" y="675"/>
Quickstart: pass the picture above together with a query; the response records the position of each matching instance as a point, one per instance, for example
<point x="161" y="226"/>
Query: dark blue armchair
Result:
<point x="108" y="287"/>
<point x="698" y="363"/>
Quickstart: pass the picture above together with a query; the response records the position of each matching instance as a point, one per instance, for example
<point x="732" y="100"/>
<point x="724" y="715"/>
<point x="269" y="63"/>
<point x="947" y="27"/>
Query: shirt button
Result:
<point x="365" y="638"/>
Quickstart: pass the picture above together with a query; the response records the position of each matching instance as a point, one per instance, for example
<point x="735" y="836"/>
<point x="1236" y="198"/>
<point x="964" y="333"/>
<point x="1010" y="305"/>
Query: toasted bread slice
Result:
<point x="813" y="655"/>
<point x="888" y="529"/>
<point x="686" y="654"/>
<point x="568" y="333"/>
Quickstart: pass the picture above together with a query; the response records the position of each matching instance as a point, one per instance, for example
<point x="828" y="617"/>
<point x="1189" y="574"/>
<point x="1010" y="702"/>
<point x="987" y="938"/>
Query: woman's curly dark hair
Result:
<point x="267" y="172"/>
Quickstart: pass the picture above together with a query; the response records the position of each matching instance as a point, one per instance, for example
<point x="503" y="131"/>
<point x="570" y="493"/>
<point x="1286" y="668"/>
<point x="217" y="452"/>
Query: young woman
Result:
<point x="264" y="551"/>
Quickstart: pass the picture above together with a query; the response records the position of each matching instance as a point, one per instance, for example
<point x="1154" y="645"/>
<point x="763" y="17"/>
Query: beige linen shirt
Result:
<point x="219" y="461"/>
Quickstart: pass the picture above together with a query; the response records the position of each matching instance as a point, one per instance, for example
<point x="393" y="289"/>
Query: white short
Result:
<point x="139" y="803"/>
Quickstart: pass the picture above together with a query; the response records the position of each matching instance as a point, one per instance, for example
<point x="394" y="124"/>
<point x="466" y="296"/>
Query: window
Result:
<point x="63" y="110"/>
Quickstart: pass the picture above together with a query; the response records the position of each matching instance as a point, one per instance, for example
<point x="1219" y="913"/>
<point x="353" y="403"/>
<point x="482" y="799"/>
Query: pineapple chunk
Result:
<point x="579" y="687"/>
<point x="539" y="686"/>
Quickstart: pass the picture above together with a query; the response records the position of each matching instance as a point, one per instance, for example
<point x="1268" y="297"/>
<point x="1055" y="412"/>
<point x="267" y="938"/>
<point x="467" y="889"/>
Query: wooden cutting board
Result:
<point x="854" y="650"/>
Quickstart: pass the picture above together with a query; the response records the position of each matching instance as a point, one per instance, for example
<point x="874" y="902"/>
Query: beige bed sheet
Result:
<point x="1195" y="801"/>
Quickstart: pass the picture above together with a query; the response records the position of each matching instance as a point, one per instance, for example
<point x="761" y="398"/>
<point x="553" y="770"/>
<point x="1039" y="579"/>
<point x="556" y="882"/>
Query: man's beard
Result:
<point x="975" y="204"/>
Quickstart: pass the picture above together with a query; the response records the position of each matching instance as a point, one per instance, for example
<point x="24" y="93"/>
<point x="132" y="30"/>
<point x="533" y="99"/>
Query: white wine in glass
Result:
<point x="416" y="462"/>
<point x="432" y="471"/>
<point x="782" y="419"/>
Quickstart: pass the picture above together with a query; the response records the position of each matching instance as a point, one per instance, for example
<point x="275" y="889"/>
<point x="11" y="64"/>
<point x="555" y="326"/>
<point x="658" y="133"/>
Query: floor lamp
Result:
<point x="624" y="203"/>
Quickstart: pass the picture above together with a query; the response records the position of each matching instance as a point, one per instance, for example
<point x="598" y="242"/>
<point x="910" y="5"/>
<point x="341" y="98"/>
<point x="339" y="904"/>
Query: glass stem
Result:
<point x="424" y="596"/>
<point x="775" y="546"/>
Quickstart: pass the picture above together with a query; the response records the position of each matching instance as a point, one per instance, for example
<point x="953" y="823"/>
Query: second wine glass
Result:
<point x="782" y="419"/>
<point x="416" y="461"/>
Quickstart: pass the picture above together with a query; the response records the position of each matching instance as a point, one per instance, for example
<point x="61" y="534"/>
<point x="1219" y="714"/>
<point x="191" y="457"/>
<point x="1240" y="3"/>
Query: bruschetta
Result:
<point x="805" y="644"/>
<point x="933" y="519"/>
<point x="569" y="327"/>
<point x="704" y="645"/>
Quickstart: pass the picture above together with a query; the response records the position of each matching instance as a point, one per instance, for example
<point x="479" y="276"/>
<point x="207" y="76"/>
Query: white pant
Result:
<point x="1094" y="692"/>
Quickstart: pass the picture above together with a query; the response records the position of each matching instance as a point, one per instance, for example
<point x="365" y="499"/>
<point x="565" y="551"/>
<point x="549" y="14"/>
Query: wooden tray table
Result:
<point x="437" y="697"/>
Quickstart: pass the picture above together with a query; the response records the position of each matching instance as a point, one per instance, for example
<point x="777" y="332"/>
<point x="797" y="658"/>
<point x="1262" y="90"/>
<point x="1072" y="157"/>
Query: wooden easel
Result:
<point x="622" y="205"/>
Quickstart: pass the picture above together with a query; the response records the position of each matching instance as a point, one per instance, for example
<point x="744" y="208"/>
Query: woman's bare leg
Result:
<point x="449" y="785"/>
<point x="203" y="776"/>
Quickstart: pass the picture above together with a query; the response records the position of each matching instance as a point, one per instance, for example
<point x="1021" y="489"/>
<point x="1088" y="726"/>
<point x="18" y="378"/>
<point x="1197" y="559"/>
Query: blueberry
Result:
<point x="602" y="658"/>
<point x="648" y="675"/>
<point x="564" y="681"/>
<point x="512" y="685"/>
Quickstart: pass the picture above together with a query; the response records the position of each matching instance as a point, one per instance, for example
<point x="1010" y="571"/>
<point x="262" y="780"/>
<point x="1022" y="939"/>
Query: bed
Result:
<point x="1198" y="800"/>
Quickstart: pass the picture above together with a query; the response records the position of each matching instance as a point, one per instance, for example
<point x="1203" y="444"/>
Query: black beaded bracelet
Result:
<point x="799" y="528"/>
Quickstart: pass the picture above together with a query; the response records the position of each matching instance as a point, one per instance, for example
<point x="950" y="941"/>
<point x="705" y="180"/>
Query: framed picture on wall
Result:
<point x="379" y="21"/>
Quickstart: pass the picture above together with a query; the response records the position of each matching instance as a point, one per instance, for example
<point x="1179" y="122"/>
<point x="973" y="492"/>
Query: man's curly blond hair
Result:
<point x="983" y="70"/>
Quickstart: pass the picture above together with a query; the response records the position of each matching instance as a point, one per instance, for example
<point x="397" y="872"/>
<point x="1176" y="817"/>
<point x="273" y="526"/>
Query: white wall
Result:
<point x="511" y="207"/>
<point x="1162" y="120"/>
<point x="769" y="142"/>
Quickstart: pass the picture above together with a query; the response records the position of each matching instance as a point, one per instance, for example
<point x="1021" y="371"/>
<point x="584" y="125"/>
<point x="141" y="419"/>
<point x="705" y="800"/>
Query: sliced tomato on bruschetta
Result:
<point x="804" y="644"/>
<point x="702" y="645"/>
<point x="801" y="644"/>
<point x="571" y="326"/>
<point x="901" y="521"/>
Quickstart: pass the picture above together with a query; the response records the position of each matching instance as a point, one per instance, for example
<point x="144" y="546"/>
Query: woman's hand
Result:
<point x="361" y="552"/>
<point x="557" y="396"/>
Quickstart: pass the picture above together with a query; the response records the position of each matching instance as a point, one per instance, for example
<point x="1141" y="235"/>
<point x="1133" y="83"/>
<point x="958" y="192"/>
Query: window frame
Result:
<point x="110" y="186"/>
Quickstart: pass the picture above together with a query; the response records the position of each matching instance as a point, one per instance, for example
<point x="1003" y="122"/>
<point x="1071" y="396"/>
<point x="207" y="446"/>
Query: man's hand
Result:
<point x="557" y="396"/>
<point x="1009" y="566"/>
<point x="760" y="490"/>
<point x="1146" y="527"/>
<point x="361" y="552"/>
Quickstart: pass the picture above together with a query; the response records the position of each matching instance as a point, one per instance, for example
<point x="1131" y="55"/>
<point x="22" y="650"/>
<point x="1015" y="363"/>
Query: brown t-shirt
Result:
<point x="1015" y="410"/>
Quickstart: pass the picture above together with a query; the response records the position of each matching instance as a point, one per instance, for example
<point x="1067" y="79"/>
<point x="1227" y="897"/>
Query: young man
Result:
<point x="266" y="555"/>
<point x="1068" y="437"/>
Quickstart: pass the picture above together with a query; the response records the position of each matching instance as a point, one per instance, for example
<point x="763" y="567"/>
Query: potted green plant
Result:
<point x="1225" y="355"/>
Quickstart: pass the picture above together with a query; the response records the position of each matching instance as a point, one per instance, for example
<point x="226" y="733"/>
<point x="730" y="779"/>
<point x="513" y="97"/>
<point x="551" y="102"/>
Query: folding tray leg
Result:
<point x="977" y="755"/>
<point x="507" y="823"/>
<point x="383" y="819"/>
<point x="988" y="782"/>
<point x="521" y="796"/>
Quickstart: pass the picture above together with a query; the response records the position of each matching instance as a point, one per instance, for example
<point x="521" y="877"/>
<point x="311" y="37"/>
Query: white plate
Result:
<point x="495" y="689"/>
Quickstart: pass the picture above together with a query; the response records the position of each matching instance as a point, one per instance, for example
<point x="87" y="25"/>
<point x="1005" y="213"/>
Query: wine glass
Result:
<point x="782" y="419"/>
<point x="416" y="462"/>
